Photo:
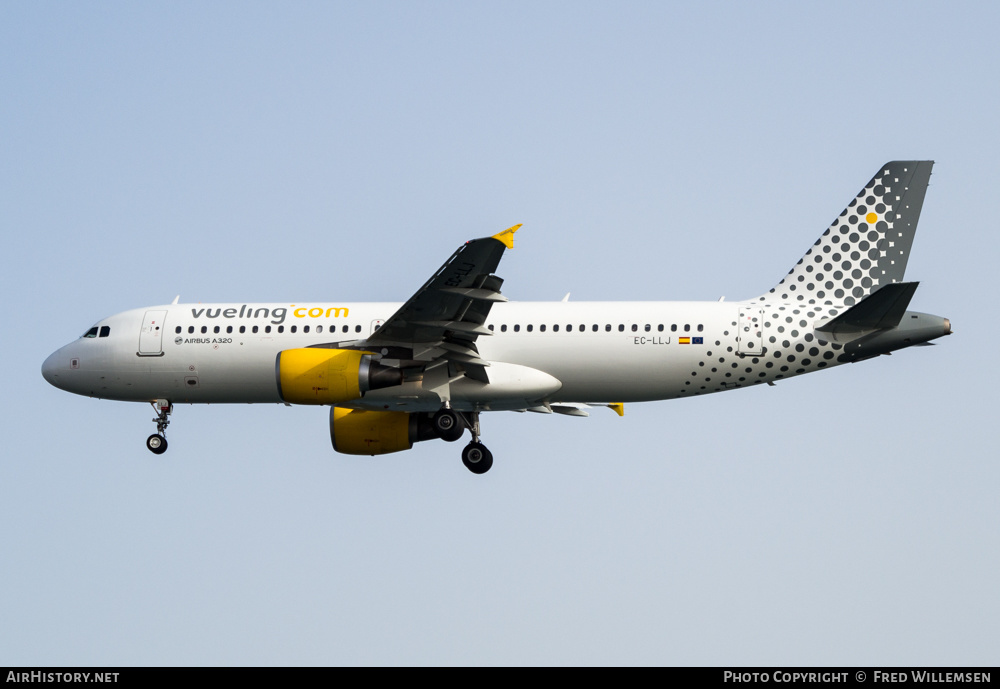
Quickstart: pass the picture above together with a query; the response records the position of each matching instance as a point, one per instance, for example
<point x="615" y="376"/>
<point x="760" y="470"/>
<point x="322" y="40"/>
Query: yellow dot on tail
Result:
<point x="871" y="218"/>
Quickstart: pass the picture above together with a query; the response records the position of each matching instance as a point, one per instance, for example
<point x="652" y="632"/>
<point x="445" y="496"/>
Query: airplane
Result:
<point x="395" y="374"/>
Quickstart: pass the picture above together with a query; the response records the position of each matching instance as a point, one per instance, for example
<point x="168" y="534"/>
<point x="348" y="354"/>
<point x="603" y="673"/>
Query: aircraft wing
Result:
<point x="443" y="320"/>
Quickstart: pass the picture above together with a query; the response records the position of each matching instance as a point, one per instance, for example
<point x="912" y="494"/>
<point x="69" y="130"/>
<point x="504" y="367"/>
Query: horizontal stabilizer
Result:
<point x="878" y="311"/>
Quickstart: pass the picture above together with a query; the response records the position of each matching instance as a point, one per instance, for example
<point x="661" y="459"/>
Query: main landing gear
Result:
<point x="157" y="443"/>
<point x="450" y="425"/>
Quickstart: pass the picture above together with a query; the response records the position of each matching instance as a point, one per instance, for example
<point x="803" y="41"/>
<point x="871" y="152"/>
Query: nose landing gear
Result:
<point x="157" y="443"/>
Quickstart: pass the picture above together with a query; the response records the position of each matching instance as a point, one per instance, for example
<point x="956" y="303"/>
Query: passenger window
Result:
<point x="293" y="328"/>
<point x="541" y="328"/>
<point x="204" y="329"/>
<point x="490" y="326"/>
<point x="190" y="329"/>
<point x="216" y="329"/>
<point x="305" y="328"/>
<point x="319" y="328"/>
<point x="91" y="333"/>
<point x="517" y="328"/>
<point x="700" y="327"/>
<point x="255" y="330"/>
<point x="673" y="327"/>
<point x="687" y="327"/>
<point x="281" y="328"/>
<point x="345" y="329"/>
<point x="594" y="328"/>
<point x="267" y="329"/>
<point x="582" y="327"/>
<point x="530" y="327"/>
<point x="607" y="328"/>
<point x="621" y="327"/>
<point x="635" y="327"/>
<point x="659" y="328"/>
<point x="177" y="330"/>
<point x="555" y="328"/>
<point x="243" y="329"/>
<point x="357" y="328"/>
<point x="229" y="328"/>
<point x="105" y="330"/>
<point x="648" y="327"/>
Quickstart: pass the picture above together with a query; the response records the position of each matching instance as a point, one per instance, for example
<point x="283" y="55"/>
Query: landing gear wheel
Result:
<point x="448" y="426"/>
<point x="156" y="444"/>
<point x="477" y="458"/>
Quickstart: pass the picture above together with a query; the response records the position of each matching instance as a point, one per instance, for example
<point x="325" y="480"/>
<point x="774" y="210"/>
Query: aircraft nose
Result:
<point x="49" y="369"/>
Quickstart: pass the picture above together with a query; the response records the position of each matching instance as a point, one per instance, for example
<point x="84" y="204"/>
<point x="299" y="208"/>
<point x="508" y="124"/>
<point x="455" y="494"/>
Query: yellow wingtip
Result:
<point x="618" y="408"/>
<point x="507" y="236"/>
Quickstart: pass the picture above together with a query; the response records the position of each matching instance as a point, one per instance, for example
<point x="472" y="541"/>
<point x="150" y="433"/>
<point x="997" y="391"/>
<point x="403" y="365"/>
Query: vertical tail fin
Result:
<point x="867" y="246"/>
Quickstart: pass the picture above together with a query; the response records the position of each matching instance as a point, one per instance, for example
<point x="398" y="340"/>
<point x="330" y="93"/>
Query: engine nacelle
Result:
<point x="315" y="375"/>
<point x="359" y="432"/>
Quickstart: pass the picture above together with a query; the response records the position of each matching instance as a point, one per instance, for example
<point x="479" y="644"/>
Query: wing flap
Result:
<point x="478" y="294"/>
<point x="457" y="326"/>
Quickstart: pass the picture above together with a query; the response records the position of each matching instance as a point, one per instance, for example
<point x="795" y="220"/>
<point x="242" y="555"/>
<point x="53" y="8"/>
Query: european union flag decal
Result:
<point x="697" y="340"/>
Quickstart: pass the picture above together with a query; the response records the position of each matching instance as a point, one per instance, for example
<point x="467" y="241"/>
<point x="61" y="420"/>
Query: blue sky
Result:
<point x="342" y="151"/>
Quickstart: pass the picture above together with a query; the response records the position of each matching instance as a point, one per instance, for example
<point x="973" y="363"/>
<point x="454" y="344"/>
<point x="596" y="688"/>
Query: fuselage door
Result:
<point x="750" y="331"/>
<point x="151" y="335"/>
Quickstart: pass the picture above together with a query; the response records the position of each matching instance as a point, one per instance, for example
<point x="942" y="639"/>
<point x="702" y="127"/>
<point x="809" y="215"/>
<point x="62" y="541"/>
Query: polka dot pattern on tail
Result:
<point x="865" y="247"/>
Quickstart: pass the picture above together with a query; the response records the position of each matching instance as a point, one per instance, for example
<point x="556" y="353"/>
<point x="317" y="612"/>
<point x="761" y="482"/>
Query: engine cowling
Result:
<point x="360" y="432"/>
<point x="315" y="375"/>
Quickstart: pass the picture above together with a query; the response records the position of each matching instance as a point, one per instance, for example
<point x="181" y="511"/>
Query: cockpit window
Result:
<point x="105" y="330"/>
<point x="91" y="333"/>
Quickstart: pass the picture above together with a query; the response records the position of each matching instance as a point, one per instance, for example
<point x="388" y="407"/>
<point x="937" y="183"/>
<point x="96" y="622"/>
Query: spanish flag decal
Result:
<point x="683" y="340"/>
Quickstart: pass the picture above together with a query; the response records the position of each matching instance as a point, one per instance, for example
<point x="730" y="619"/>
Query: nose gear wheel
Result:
<point x="157" y="443"/>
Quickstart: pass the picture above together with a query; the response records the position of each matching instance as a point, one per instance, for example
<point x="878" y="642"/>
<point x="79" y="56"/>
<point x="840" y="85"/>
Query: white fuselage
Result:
<point x="598" y="351"/>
